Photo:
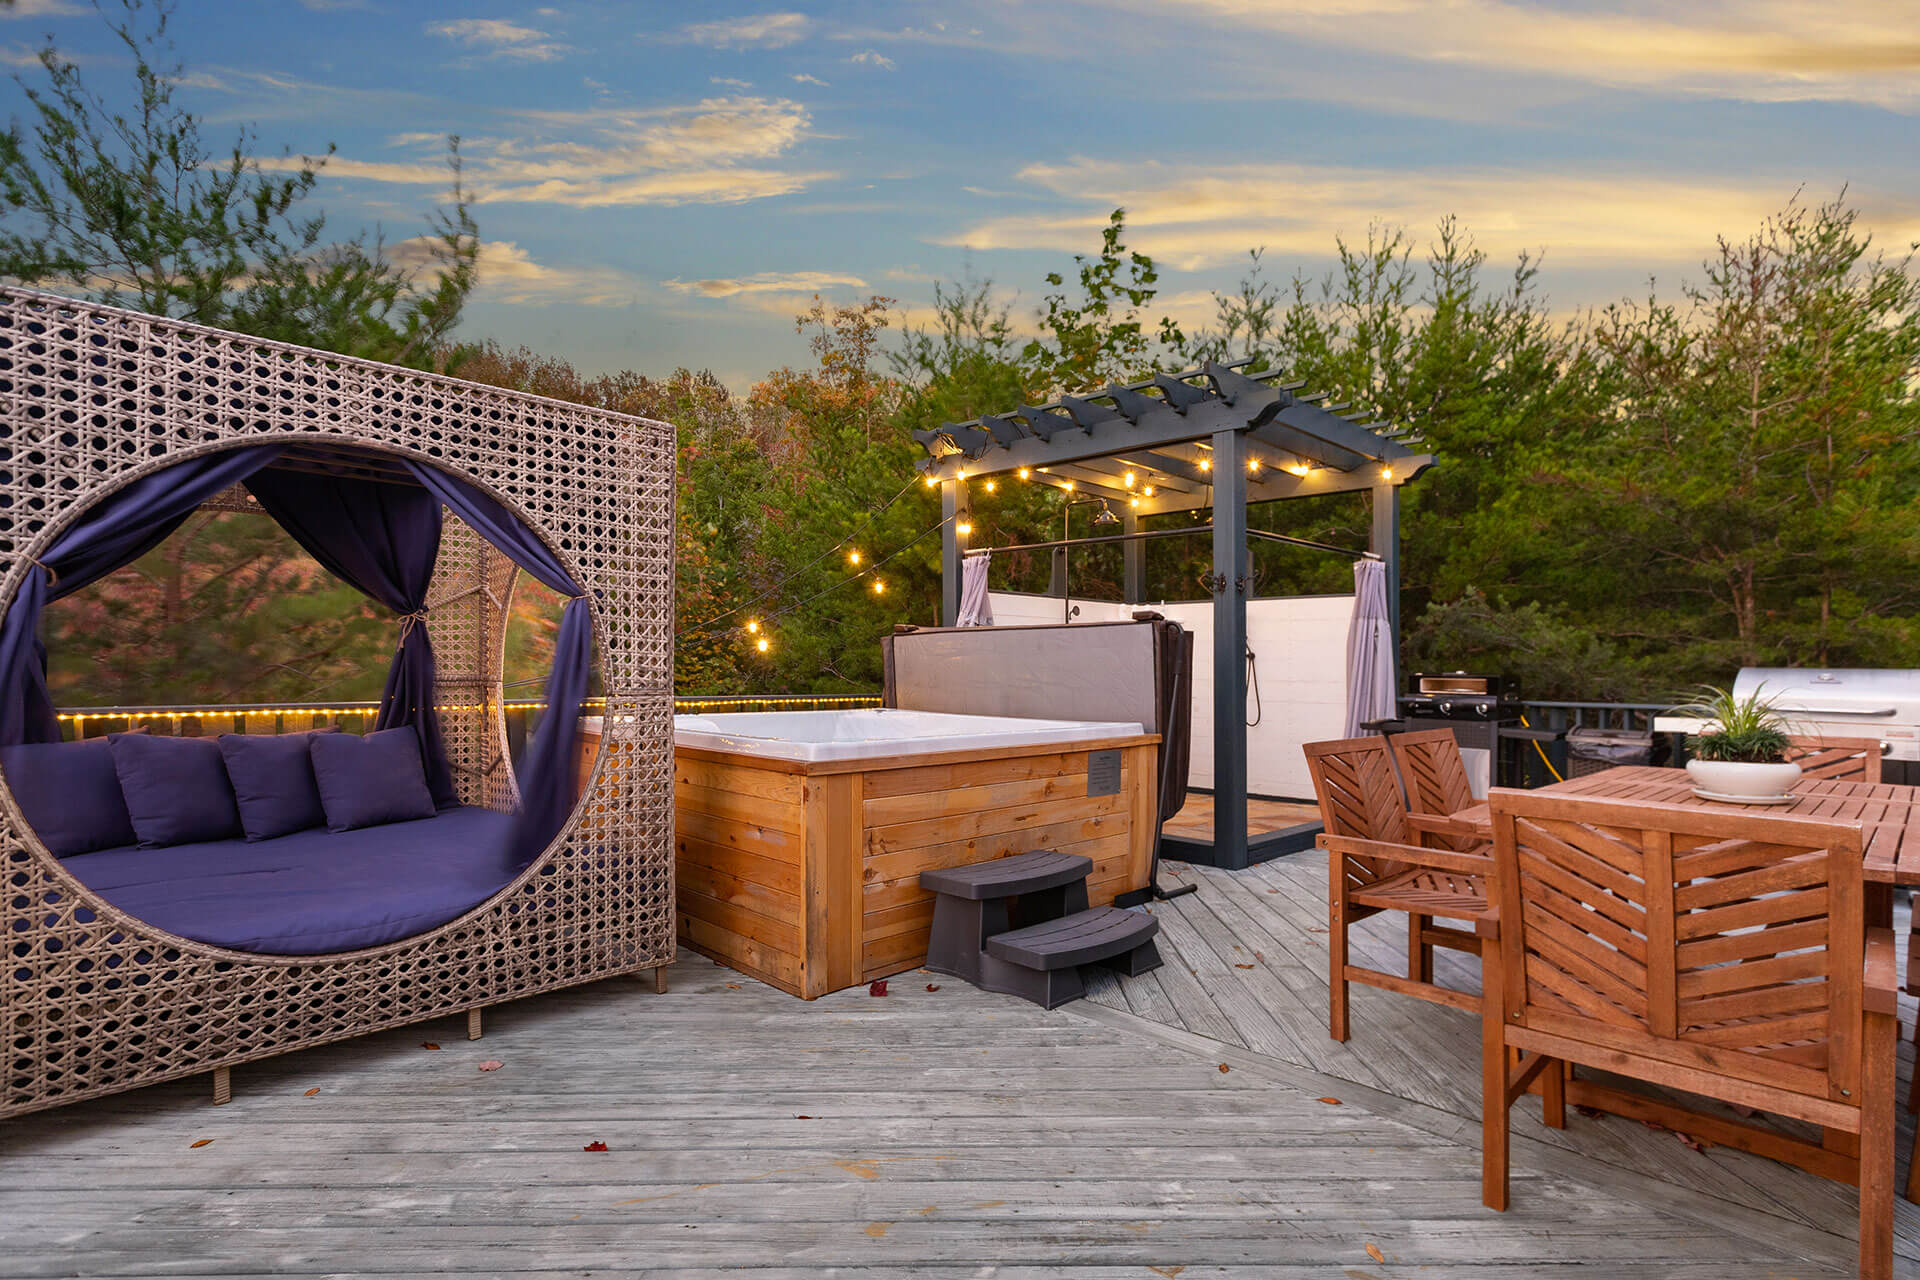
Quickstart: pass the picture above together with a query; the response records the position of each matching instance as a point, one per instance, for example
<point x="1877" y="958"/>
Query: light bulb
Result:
<point x="1148" y="491"/>
<point x="853" y="556"/>
<point x="1133" y="502"/>
<point x="991" y="486"/>
<point x="762" y="644"/>
<point x="1068" y="486"/>
<point x="1386" y="473"/>
<point x="753" y="626"/>
<point x="1025" y="473"/>
<point x="1253" y="464"/>
<point x="1129" y="479"/>
<point x="1206" y="464"/>
<point x="931" y="482"/>
<point x="963" y="528"/>
<point x="879" y="586"/>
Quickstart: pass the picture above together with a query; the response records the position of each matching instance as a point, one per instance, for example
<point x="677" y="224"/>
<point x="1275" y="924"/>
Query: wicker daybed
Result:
<point x="101" y="407"/>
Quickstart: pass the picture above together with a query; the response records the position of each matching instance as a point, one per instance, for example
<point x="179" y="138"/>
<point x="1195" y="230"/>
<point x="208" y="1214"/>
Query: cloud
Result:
<point x="1194" y="216"/>
<point x="788" y="282"/>
<point x="715" y="151"/>
<point x="872" y="58"/>
<point x="498" y="38"/>
<point x="1767" y="50"/>
<point x="730" y="82"/>
<point x="804" y="78"/>
<point x="762" y="31"/>
<point x="508" y="273"/>
<point x="45" y="9"/>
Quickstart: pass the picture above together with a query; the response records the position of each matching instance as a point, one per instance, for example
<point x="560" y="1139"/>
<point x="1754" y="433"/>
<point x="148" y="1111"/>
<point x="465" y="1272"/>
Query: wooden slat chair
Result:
<point x="1852" y="759"/>
<point x="1722" y="954"/>
<point x="1436" y="784"/>
<point x="1373" y="867"/>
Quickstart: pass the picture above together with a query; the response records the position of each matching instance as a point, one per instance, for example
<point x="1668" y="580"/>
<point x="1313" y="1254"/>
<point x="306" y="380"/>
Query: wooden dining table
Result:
<point x="1889" y="815"/>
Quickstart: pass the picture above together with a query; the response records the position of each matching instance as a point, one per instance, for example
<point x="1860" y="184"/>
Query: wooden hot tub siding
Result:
<point x="806" y="876"/>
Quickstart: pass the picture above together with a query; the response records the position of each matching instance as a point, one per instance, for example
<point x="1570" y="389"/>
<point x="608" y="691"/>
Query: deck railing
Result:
<point x="522" y="715"/>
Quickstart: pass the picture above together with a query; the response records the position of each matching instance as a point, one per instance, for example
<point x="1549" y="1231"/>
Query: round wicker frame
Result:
<point x="93" y="397"/>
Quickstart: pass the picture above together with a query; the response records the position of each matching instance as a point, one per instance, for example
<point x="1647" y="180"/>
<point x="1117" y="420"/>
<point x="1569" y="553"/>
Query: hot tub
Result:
<point x="800" y="836"/>
<point x="873" y="732"/>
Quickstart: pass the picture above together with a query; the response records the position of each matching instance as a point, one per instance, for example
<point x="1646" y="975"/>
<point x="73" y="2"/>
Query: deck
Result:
<point x="1193" y="1123"/>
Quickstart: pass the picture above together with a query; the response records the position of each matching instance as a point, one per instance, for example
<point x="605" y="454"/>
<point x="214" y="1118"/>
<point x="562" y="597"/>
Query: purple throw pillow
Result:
<point x="272" y="777"/>
<point x="70" y="795"/>
<point x="372" y="780"/>
<point x="176" y="789"/>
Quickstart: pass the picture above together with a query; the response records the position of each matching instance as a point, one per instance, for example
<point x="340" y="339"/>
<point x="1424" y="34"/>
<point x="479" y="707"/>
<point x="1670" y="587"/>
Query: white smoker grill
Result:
<point x="1847" y="702"/>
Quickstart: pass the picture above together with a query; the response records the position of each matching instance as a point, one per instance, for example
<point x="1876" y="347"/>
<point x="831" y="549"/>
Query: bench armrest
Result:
<point x="1472" y="864"/>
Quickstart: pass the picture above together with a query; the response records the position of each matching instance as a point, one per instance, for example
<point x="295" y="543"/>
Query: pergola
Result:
<point x="1217" y="436"/>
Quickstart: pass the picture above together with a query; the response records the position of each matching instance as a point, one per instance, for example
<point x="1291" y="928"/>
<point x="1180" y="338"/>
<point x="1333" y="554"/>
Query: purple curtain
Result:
<point x="382" y="539"/>
<point x="115" y="533"/>
<point x="546" y="770"/>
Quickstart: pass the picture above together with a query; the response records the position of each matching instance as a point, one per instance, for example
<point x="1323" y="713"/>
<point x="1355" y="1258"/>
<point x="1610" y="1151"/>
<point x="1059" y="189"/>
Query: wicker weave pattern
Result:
<point x="92" y="398"/>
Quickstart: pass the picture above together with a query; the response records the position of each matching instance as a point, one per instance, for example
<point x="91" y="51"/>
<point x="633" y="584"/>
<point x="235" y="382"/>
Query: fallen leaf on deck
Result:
<point x="1243" y="966"/>
<point x="1332" y="1102"/>
<point x="803" y="1117"/>
<point x="203" y="1142"/>
<point x="1166" y="1271"/>
<point x="933" y="986"/>
<point x="1224" y="1068"/>
<point x="1314" y="928"/>
<point x="877" y="1229"/>
<point x="733" y="986"/>
<point x="1373" y="1251"/>
<point x="428" y="1044"/>
<point x="492" y="1064"/>
<point x="1273" y="891"/>
<point x="595" y="1146"/>
<point x="878" y="988"/>
<point x="309" y="1093"/>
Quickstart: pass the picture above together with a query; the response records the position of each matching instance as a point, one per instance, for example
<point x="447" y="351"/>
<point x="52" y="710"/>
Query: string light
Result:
<point x="1129" y="479"/>
<point x="991" y="486"/>
<point x="1148" y="491"/>
<point x="963" y="528"/>
<point x="1206" y="464"/>
<point x="1386" y="473"/>
<point x="1133" y="502"/>
<point x="1067" y="485"/>
<point x="931" y="481"/>
<point x="1253" y="464"/>
<point x="753" y="626"/>
<point x="1025" y="473"/>
<point x="853" y="557"/>
<point x="879" y="586"/>
<point x="762" y="644"/>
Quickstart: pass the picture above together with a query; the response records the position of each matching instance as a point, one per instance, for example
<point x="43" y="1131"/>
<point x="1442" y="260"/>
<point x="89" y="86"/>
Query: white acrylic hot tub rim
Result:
<point x="877" y="733"/>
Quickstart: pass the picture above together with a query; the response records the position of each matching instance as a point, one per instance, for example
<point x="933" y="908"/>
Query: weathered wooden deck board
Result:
<point x="1429" y="1055"/>
<point x="926" y="1134"/>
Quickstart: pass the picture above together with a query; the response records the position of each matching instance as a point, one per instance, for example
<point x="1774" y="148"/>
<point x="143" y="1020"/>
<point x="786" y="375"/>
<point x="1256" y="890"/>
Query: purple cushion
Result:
<point x="176" y="789"/>
<point x="272" y="777"/>
<point x="69" y="794"/>
<point x="367" y="781"/>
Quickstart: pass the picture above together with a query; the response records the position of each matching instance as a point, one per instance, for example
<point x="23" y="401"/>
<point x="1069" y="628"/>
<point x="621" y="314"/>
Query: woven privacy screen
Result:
<point x="92" y="398"/>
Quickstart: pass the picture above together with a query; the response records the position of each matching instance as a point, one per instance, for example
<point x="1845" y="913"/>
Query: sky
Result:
<point x="667" y="185"/>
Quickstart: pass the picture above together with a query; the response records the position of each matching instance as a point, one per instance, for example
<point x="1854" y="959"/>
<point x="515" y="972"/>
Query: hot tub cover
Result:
<point x="314" y="892"/>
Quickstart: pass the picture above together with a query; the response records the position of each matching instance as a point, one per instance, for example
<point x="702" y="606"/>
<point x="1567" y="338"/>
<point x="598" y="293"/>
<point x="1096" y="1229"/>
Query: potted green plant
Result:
<point x="1740" y="753"/>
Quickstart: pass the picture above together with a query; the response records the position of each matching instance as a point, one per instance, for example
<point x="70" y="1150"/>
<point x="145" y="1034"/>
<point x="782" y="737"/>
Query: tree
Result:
<point x="133" y="207"/>
<point x="1101" y="334"/>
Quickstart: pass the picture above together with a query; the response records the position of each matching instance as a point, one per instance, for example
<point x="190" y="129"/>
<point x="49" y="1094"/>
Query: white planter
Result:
<point x="1739" y="778"/>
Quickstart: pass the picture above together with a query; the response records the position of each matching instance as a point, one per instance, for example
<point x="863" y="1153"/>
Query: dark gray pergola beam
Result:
<point x="1272" y="485"/>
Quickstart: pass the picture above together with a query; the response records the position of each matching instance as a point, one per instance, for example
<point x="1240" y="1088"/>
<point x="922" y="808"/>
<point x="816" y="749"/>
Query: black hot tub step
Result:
<point x="1008" y="877"/>
<point x="1085" y="937"/>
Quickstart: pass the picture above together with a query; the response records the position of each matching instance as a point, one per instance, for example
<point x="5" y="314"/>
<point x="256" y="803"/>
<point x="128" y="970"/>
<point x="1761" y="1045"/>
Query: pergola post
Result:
<point x="1229" y="583"/>
<point x="1384" y="542"/>
<point x="954" y="507"/>
<point x="1133" y="561"/>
